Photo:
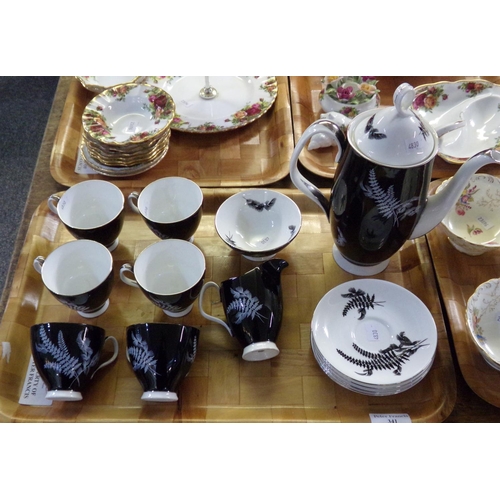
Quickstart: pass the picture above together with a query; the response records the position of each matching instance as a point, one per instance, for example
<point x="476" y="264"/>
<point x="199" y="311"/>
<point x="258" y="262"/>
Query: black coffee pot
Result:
<point x="379" y="198"/>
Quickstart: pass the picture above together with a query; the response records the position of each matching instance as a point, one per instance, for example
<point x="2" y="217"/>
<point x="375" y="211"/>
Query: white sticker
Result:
<point x="413" y="145"/>
<point x="484" y="223"/>
<point x="186" y="103"/>
<point x="6" y="351"/>
<point x="34" y="388"/>
<point x="81" y="167"/>
<point x="131" y="127"/>
<point x="390" y="418"/>
<point x="372" y="334"/>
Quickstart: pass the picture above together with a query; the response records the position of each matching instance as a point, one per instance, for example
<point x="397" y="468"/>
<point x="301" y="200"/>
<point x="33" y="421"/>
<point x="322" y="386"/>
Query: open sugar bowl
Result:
<point x="483" y="319"/>
<point x="473" y="223"/>
<point x="258" y="223"/>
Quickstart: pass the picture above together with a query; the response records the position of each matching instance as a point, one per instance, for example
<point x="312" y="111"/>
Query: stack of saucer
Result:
<point x="482" y="315"/>
<point x="126" y="129"/>
<point x="373" y="337"/>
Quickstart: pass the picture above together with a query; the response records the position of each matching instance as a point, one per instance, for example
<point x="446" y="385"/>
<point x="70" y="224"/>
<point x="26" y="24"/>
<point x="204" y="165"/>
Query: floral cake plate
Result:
<point x="476" y="102"/>
<point x="240" y="100"/>
<point x="373" y="336"/>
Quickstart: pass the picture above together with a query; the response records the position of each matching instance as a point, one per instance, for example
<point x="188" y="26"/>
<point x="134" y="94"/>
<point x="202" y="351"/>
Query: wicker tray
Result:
<point x="306" y="108"/>
<point x="458" y="276"/>
<point x="221" y="387"/>
<point x="254" y="155"/>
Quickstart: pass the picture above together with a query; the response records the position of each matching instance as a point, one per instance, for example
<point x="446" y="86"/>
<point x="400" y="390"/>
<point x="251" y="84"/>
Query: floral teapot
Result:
<point x="379" y="198"/>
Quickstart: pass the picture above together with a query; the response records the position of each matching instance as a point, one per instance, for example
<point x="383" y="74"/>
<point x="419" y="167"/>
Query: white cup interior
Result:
<point x="169" y="267"/>
<point x="170" y="199"/>
<point x="90" y="204"/>
<point x="76" y="267"/>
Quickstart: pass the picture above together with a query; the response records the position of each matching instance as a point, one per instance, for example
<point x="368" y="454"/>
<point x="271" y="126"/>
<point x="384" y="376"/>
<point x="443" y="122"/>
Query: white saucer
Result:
<point x="373" y="336"/>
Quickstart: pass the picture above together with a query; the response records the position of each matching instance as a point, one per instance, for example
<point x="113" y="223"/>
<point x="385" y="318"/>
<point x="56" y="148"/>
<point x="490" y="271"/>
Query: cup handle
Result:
<point x="207" y="285"/>
<point x="128" y="268"/>
<point x="52" y="202"/>
<point x="113" y="357"/>
<point x="38" y="263"/>
<point x="132" y="201"/>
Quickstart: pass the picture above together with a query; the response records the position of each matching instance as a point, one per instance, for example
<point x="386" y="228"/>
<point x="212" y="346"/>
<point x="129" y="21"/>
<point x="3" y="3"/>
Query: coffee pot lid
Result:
<point x="394" y="136"/>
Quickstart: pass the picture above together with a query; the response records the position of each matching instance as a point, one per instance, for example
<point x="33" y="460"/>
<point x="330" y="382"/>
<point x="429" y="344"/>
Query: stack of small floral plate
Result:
<point x="126" y="129"/>
<point x="373" y="337"/>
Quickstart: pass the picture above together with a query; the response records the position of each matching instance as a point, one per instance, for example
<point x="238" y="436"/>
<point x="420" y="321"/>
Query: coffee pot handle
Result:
<point x="207" y="285"/>
<point x="113" y="357"/>
<point x="332" y="131"/>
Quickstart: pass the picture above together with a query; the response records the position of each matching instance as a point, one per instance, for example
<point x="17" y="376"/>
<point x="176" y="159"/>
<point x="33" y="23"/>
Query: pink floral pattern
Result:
<point x="430" y="98"/>
<point x="160" y="105"/>
<point x="96" y="124"/>
<point x="463" y="204"/>
<point x="249" y="112"/>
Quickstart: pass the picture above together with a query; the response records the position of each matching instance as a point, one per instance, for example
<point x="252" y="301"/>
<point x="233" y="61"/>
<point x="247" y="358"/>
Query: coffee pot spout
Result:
<point x="439" y="204"/>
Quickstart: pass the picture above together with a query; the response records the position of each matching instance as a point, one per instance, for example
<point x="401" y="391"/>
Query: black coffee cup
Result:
<point x="67" y="356"/>
<point x="170" y="273"/>
<point x="171" y="207"/>
<point x="161" y="356"/>
<point x="91" y="210"/>
<point x="79" y="274"/>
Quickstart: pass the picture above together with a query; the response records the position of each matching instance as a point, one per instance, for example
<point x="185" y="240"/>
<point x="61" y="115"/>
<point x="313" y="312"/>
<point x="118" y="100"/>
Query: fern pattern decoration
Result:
<point x="62" y="361"/>
<point x="387" y="203"/>
<point x="373" y="133"/>
<point x="391" y="358"/>
<point x="257" y="205"/>
<point x="244" y="305"/>
<point x="359" y="300"/>
<point x="141" y="356"/>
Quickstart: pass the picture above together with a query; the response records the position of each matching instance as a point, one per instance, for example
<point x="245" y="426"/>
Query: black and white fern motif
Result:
<point x="229" y="238"/>
<point x="141" y="357"/>
<point x="387" y="203"/>
<point x="359" y="300"/>
<point x="392" y="358"/>
<point x="260" y="206"/>
<point x="292" y="230"/>
<point x="62" y="361"/>
<point x="244" y="305"/>
<point x="341" y="241"/>
<point x="192" y="354"/>
<point x="372" y="132"/>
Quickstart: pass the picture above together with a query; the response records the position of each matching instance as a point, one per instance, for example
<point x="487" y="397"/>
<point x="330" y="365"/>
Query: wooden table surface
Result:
<point x="469" y="407"/>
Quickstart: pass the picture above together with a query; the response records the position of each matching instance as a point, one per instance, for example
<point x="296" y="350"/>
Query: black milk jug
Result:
<point x="379" y="198"/>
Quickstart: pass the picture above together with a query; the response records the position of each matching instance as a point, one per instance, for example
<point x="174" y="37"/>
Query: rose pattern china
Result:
<point x="240" y="100"/>
<point x="476" y="102"/>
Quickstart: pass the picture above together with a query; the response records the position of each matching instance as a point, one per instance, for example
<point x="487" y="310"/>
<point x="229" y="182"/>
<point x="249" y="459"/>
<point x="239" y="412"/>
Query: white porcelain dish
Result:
<point x="116" y="171"/>
<point x="476" y="102"/>
<point x="258" y="223"/>
<point x="483" y="316"/>
<point x="128" y="114"/>
<point x="240" y="100"/>
<point x="100" y="83"/>
<point x="373" y="337"/>
<point x="473" y="223"/>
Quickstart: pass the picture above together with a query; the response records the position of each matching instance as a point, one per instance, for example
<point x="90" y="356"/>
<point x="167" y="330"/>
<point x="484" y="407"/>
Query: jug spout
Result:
<point x="439" y="204"/>
<point x="274" y="267"/>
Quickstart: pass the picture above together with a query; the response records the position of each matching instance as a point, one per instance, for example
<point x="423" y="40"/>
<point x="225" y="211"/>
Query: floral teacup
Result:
<point x="349" y="95"/>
